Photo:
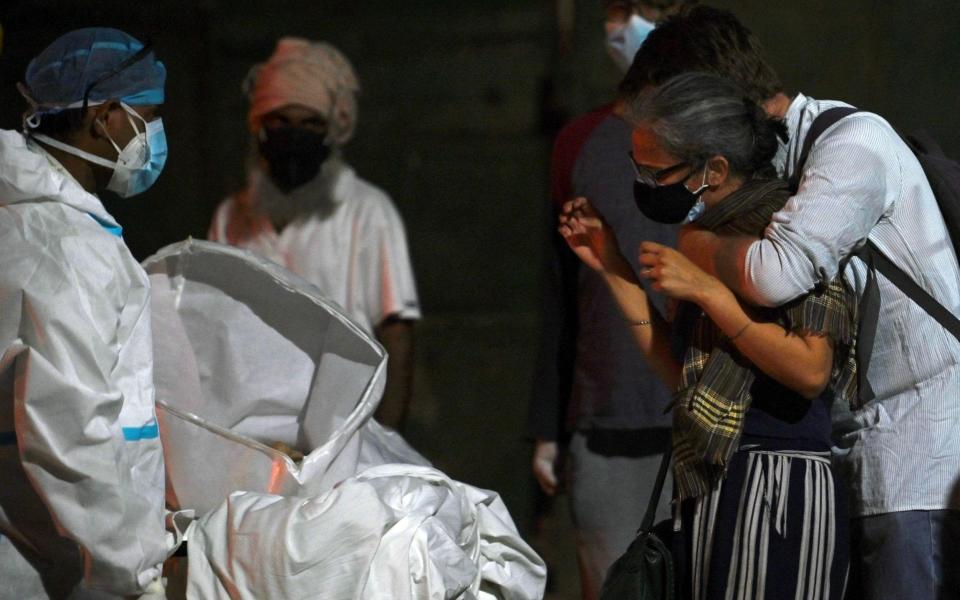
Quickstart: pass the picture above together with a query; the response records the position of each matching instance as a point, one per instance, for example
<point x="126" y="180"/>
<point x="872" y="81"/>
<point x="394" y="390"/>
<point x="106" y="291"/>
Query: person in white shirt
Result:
<point x="900" y="452"/>
<point x="306" y="209"/>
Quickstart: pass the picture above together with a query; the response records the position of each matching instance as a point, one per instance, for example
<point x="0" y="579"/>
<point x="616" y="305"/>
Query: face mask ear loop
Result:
<point x="31" y="122"/>
<point x="130" y="120"/>
<point x="132" y="113"/>
<point x="703" y="184"/>
<point x="31" y="118"/>
<point x="106" y="133"/>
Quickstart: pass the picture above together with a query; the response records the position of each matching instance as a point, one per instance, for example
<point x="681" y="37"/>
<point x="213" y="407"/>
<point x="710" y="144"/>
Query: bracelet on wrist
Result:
<point x="742" y="329"/>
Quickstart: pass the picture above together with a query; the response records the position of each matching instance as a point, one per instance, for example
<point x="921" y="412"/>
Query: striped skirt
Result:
<point x="776" y="528"/>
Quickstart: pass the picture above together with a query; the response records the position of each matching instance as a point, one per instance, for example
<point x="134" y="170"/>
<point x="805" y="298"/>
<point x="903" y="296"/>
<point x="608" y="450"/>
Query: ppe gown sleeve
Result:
<point x="68" y="398"/>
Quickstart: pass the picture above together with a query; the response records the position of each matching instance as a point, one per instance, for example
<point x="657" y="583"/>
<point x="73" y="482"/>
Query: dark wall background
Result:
<point x="459" y="104"/>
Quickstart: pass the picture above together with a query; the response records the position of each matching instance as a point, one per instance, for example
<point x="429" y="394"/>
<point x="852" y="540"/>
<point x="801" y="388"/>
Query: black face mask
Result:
<point x="294" y="155"/>
<point x="666" y="203"/>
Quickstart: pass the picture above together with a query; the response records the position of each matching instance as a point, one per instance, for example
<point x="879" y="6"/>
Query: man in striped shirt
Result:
<point x="901" y="451"/>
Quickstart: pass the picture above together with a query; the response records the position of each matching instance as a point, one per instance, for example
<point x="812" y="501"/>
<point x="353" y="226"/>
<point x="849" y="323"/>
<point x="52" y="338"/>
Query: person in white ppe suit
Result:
<point x="82" y="493"/>
<point x="305" y="209"/>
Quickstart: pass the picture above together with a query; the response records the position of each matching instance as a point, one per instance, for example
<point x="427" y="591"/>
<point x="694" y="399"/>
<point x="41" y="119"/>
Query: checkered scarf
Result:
<point x="715" y="389"/>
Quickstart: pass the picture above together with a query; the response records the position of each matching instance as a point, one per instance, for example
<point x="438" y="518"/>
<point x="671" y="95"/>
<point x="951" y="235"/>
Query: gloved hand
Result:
<point x="545" y="455"/>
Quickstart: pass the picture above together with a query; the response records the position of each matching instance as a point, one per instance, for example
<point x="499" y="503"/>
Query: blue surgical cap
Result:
<point x="59" y="76"/>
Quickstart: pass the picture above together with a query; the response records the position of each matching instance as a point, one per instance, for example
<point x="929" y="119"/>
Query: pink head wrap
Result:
<point x="311" y="74"/>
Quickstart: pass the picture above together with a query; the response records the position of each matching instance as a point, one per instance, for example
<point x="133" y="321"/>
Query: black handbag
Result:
<point x="645" y="571"/>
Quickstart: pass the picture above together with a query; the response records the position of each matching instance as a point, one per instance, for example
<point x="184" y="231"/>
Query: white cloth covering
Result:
<point x="357" y="255"/>
<point x="81" y="469"/>
<point x="248" y="353"/>
<point x="395" y="531"/>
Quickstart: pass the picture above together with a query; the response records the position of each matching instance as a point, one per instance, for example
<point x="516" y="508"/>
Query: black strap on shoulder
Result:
<point x="870" y="303"/>
<point x="869" y="317"/>
<point x="875" y="261"/>
<point x="824" y="121"/>
<point x="651" y="514"/>
<point x="870" y="254"/>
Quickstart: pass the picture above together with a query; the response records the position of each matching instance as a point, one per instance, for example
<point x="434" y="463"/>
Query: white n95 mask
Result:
<point x="624" y="40"/>
<point x="138" y="164"/>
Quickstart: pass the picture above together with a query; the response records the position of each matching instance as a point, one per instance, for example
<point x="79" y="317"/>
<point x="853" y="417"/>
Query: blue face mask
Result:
<point x="138" y="164"/>
<point x="141" y="161"/>
<point x="624" y="41"/>
<point x="696" y="212"/>
<point x="146" y="176"/>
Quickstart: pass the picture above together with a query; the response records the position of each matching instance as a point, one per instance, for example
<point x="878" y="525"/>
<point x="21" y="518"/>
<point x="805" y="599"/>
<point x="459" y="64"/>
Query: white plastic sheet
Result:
<point x="395" y="531"/>
<point x="248" y="354"/>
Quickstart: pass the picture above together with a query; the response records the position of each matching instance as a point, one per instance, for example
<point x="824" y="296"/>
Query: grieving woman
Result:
<point x="760" y="511"/>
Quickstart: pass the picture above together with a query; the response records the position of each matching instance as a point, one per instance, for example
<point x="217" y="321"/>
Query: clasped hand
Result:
<point x="673" y="274"/>
<point x="589" y="236"/>
<point x="594" y="242"/>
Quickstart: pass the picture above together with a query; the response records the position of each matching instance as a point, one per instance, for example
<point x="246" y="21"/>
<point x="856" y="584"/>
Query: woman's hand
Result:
<point x="673" y="274"/>
<point x="589" y="236"/>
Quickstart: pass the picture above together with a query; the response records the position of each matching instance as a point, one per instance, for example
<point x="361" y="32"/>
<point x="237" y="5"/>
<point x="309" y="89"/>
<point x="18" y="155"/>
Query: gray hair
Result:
<point x="695" y="116"/>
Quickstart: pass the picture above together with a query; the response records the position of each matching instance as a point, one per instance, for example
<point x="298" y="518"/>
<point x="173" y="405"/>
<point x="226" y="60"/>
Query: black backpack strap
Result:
<point x="875" y="260"/>
<point x="869" y="316"/>
<point x="870" y="303"/>
<point x="651" y="514"/>
<point x="872" y="255"/>
<point x="824" y="121"/>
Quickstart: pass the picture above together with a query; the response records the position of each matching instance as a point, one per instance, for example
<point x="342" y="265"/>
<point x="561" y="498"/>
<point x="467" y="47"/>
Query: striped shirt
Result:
<point x="901" y="451"/>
